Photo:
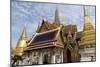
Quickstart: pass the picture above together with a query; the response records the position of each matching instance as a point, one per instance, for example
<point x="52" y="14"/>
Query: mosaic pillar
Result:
<point x="40" y="58"/>
<point x="62" y="56"/>
<point x="53" y="57"/>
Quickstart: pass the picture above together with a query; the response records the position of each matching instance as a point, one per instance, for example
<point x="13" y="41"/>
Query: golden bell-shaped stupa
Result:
<point x="21" y="43"/>
<point x="88" y="34"/>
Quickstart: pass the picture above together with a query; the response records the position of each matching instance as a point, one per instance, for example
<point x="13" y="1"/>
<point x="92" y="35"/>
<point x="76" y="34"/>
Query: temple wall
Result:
<point x="39" y="57"/>
<point x="88" y="54"/>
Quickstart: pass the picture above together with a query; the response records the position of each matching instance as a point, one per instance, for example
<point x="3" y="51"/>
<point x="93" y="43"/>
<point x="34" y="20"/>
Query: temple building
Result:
<point x="69" y="38"/>
<point x="57" y="43"/>
<point x="46" y="47"/>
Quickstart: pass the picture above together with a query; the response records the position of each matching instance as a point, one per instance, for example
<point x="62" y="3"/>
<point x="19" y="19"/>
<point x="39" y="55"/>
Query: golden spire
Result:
<point x="21" y="43"/>
<point x="87" y="22"/>
<point x="85" y="12"/>
<point x="23" y="35"/>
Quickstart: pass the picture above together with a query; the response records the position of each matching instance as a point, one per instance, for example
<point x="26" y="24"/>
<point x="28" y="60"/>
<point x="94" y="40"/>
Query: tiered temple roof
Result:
<point x="45" y="39"/>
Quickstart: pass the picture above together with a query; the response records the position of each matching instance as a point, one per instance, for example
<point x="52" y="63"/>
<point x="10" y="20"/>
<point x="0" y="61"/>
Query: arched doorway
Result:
<point x="69" y="59"/>
<point x="45" y="59"/>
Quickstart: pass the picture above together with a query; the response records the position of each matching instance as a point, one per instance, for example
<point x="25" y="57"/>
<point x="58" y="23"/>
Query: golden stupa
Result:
<point x="22" y="43"/>
<point x="88" y="34"/>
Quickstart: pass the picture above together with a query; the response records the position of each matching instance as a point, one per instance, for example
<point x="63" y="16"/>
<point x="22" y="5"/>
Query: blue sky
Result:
<point x="31" y="14"/>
